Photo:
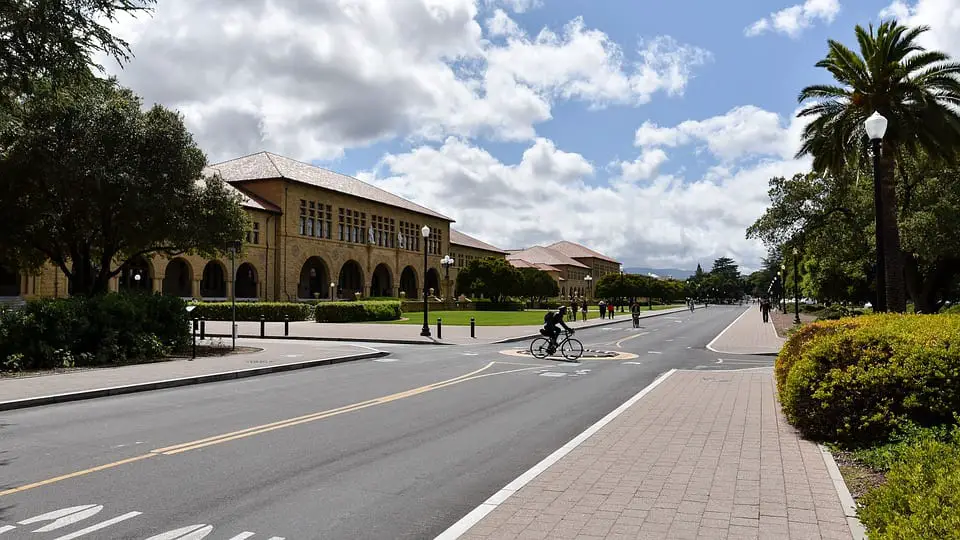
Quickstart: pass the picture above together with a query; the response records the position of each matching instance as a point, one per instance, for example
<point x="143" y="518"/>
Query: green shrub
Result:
<point x="357" y="311"/>
<point x="866" y="380"/>
<point x="115" y="328"/>
<point x="921" y="497"/>
<point x="252" y="311"/>
<point x="883" y="457"/>
<point x="952" y="310"/>
<point x="799" y="339"/>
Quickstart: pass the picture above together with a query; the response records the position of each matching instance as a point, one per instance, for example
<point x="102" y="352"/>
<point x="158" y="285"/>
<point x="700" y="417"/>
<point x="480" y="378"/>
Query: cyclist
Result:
<point x="551" y="326"/>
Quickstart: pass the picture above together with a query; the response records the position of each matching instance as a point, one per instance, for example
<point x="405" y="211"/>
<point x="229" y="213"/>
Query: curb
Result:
<point x="465" y="523"/>
<point x="623" y="320"/>
<point x="183" y="381"/>
<point x="338" y="339"/>
<point x="849" y="506"/>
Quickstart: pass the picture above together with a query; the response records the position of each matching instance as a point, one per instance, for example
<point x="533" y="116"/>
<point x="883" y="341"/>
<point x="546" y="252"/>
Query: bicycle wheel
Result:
<point x="572" y="349"/>
<point x="540" y="348"/>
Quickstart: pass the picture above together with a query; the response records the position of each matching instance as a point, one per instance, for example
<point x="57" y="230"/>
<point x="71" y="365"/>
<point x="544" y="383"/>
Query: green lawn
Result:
<point x="498" y="318"/>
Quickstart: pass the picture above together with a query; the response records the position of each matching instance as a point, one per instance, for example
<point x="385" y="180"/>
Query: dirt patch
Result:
<point x="784" y="323"/>
<point x="859" y="478"/>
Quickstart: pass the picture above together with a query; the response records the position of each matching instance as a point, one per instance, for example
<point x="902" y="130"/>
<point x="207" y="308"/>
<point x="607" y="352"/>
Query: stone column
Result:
<point x="114" y="284"/>
<point x="157" y="286"/>
<point x="195" y="289"/>
<point x="229" y="288"/>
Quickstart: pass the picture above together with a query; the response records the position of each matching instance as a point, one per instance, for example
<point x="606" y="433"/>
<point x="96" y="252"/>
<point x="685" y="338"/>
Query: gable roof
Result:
<point x="460" y="239"/>
<point x="577" y="251"/>
<point x="249" y="200"/>
<point x="542" y="255"/>
<point x="520" y="263"/>
<point x="266" y="165"/>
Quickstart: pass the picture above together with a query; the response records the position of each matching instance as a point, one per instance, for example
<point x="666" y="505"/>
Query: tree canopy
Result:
<point x="537" y="285"/>
<point x="493" y="277"/>
<point x="90" y="180"/>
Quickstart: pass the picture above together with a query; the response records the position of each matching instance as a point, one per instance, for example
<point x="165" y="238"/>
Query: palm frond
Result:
<point x="924" y="59"/>
<point x="823" y="91"/>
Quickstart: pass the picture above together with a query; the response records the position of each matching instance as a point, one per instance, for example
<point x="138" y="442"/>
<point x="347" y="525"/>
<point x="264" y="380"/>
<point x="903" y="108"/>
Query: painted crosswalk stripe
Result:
<point x="242" y="536"/>
<point x="190" y="532"/>
<point x="101" y="525"/>
<point x="6" y="528"/>
<point x="63" y="518"/>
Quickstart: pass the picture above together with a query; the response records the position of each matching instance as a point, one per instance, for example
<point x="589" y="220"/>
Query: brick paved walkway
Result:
<point x="748" y="335"/>
<point x="704" y="455"/>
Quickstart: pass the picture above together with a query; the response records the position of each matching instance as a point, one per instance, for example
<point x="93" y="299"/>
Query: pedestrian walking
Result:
<point x="573" y="311"/>
<point x="610" y="310"/>
<point x="583" y="311"/>
<point x="765" y="309"/>
<point x="603" y="309"/>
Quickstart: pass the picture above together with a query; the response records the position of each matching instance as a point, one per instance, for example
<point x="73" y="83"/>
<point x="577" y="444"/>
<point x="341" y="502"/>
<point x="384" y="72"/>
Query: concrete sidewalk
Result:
<point x="748" y="335"/>
<point x="35" y="390"/>
<point x="703" y="455"/>
<point x="405" y="333"/>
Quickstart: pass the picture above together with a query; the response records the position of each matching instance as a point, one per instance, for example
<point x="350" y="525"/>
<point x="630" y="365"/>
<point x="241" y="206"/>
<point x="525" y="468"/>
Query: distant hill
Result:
<point x="662" y="272"/>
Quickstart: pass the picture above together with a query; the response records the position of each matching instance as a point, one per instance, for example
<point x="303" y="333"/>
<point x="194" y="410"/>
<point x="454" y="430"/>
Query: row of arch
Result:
<point x="575" y="292"/>
<point x="315" y="280"/>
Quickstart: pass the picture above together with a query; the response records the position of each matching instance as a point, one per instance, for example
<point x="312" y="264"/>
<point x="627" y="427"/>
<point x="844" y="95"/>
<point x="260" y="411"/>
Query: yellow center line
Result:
<point x="256" y="430"/>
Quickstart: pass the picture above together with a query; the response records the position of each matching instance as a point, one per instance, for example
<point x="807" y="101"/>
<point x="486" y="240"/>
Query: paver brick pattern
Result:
<point x="705" y="455"/>
<point x="749" y="335"/>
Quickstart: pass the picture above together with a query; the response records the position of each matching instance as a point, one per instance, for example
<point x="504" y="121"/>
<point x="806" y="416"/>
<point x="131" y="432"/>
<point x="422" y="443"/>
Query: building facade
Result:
<point x="314" y="234"/>
<point x="570" y="274"/>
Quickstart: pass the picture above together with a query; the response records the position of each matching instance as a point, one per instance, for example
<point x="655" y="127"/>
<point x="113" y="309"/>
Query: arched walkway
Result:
<point x="314" y="279"/>
<point x="137" y="276"/>
<point x="408" y="282"/>
<point x="9" y="282"/>
<point x="350" y="280"/>
<point x="382" y="282"/>
<point x="213" y="284"/>
<point x="433" y="281"/>
<point x="178" y="278"/>
<point x="246" y="281"/>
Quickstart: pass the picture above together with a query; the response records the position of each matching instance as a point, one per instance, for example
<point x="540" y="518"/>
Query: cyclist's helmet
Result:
<point x="563" y="310"/>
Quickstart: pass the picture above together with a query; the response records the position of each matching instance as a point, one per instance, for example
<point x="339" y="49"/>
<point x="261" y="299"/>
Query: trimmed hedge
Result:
<point x="357" y="311"/>
<point x="921" y="496"/>
<point x="252" y="311"/>
<point x="859" y="381"/>
<point x="78" y="331"/>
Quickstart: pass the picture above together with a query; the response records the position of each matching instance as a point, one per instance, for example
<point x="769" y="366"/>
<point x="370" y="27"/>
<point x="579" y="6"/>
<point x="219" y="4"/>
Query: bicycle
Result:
<point x="570" y="348"/>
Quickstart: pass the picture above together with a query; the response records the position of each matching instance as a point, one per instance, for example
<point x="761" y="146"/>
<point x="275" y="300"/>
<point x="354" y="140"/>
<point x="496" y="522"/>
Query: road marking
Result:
<point x="466" y="522"/>
<point x="640" y="334"/>
<point x="654" y="352"/>
<point x="293" y="355"/>
<point x="719" y="360"/>
<point x="6" y="528"/>
<point x="385" y="360"/>
<point x="634" y="363"/>
<point x="243" y="536"/>
<point x="668" y="340"/>
<point x="257" y="430"/>
<point x="471" y="354"/>
<point x="190" y="532"/>
<point x="553" y="374"/>
<point x="101" y="525"/>
<point x="720" y="335"/>
<point x="62" y="518"/>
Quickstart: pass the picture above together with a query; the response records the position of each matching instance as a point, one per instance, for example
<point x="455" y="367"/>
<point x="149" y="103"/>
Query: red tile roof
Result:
<point x="460" y="239"/>
<point x="577" y="251"/>
<point x="542" y="255"/>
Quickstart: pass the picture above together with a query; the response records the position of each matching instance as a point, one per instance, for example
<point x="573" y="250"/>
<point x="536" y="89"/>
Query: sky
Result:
<point x="647" y="130"/>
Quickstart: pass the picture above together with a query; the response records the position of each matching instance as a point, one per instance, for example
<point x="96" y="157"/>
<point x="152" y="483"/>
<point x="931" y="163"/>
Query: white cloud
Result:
<point x="552" y="194"/>
<point x="518" y="6"/>
<point x="942" y="16"/>
<point x="746" y="131"/>
<point x="310" y="78"/>
<point x="793" y="20"/>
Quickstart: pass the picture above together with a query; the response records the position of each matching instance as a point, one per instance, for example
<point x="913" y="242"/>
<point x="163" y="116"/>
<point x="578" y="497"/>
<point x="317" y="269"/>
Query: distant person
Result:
<point x="583" y="311"/>
<point x="552" y="324"/>
<point x="610" y="310"/>
<point x="765" y="309"/>
<point x="635" y="313"/>
<point x="603" y="309"/>
<point x="573" y="312"/>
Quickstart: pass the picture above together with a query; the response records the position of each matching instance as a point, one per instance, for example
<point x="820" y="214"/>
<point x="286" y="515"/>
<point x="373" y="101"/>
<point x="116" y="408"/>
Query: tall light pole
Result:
<point x="425" y="231"/>
<point x="621" y="287"/>
<point x="589" y="280"/>
<point x="796" y="286"/>
<point x="447" y="262"/>
<point x="234" y="248"/>
<point x="876" y="127"/>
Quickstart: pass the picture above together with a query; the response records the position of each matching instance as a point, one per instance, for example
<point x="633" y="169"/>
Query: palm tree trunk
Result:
<point x="893" y="264"/>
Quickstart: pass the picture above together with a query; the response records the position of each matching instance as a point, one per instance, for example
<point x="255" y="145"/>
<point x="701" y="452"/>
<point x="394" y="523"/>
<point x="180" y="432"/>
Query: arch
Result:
<point x="245" y="282"/>
<point x="314" y="279"/>
<point x="178" y="278"/>
<point x="213" y="284"/>
<point x="408" y="282"/>
<point x="433" y="281"/>
<point x="136" y="276"/>
<point x="350" y="280"/>
<point x="9" y="281"/>
<point x="381" y="284"/>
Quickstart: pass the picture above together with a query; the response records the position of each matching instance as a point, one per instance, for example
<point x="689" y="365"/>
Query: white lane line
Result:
<point x="668" y="340"/>
<point x="242" y="536"/>
<point x="654" y="352"/>
<point x="66" y="520"/>
<point x="385" y="360"/>
<point x="276" y="538"/>
<point x="719" y="360"/>
<point x="101" y="525"/>
<point x="190" y="532"/>
<point x="634" y="363"/>
<point x="6" y="528"/>
<point x="720" y="335"/>
<point x="466" y="522"/>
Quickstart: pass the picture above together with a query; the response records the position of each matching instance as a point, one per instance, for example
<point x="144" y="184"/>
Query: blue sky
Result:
<point x="646" y="130"/>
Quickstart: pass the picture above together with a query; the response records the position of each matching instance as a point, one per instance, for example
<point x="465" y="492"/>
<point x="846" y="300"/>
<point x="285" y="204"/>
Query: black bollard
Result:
<point x="439" y="328"/>
<point x="263" y="326"/>
<point x="203" y="328"/>
<point x="286" y="325"/>
<point x="473" y="327"/>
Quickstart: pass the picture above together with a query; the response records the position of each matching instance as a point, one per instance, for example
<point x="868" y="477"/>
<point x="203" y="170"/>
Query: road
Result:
<point x="399" y="447"/>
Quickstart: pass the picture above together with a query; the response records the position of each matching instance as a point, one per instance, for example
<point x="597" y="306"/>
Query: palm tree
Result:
<point x="917" y="90"/>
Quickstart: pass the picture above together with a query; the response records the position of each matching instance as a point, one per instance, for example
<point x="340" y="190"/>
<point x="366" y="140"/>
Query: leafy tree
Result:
<point x="491" y="277"/>
<point x="918" y="91"/>
<point x="56" y="39"/>
<point x="91" y="181"/>
<point x="537" y="285"/>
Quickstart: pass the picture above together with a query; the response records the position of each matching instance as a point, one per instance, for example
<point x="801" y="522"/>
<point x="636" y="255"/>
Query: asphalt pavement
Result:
<point x="396" y="447"/>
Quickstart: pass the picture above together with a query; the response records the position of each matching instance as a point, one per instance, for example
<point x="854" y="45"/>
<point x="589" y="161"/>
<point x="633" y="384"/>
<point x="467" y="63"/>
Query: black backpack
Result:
<point x="548" y="318"/>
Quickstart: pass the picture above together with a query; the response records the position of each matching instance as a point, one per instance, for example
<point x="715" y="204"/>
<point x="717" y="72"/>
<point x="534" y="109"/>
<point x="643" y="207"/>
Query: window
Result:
<point x="303" y="217"/>
<point x="253" y="235"/>
<point x="352" y="226"/>
<point x="411" y="233"/>
<point x="340" y="226"/>
<point x="324" y="221"/>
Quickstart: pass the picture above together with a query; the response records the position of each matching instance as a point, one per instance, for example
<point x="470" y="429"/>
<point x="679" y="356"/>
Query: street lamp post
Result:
<point x="425" y="231"/>
<point x="234" y="248"/>
<point x="447" y="262"/>
<point x="621" y="288"/>
<point x="589" y="280"/>
<point x="796" y="286"/>
<point x="783" y="286"/>
<point x="876" y="127"/>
